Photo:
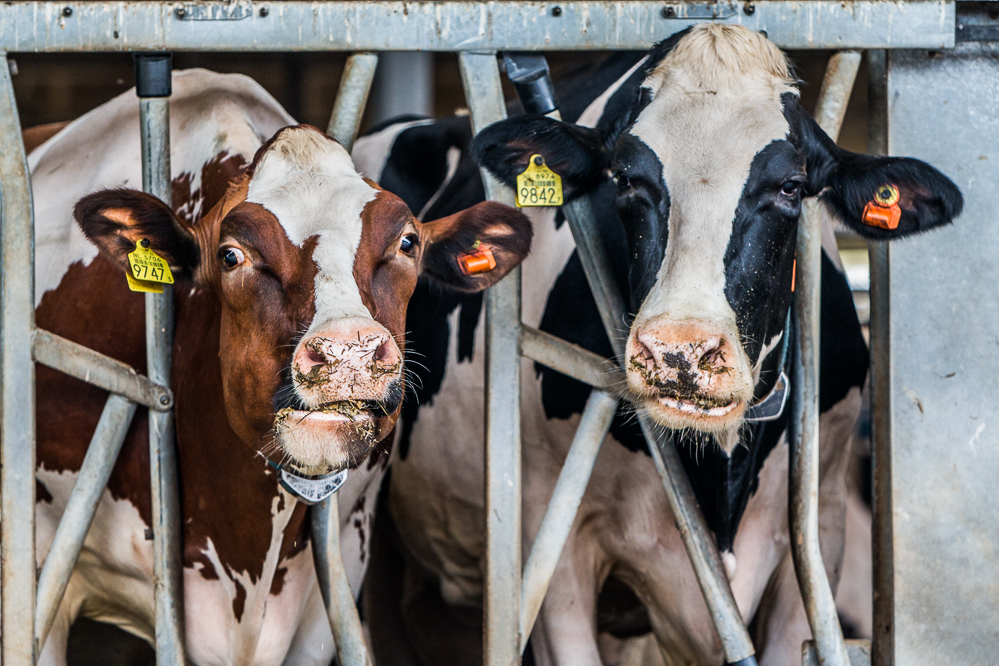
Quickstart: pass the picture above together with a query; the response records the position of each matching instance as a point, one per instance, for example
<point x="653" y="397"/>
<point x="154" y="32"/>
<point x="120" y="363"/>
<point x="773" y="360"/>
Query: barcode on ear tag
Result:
<point x="147" y="266"/>
<point x="538" y="185"/>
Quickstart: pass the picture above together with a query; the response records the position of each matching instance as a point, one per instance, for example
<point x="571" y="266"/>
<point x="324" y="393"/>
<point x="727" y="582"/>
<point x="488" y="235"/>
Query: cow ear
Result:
<point x="115" y="220"/>
<point x="471" y="250"/>
<point x="878" y="197"/>
<point x="578" y="154"/>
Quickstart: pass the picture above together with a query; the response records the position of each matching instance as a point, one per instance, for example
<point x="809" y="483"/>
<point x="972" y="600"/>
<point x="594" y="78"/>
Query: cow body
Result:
<point x="624" y="530"/>
<point x="282" y="255"/>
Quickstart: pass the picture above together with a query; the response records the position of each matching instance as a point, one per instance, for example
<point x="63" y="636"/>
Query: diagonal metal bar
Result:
<point x="351" y="97"/>
<point x="484" y="93"/>
<point x="80" y="509"/>
<point x="562" y="508"/>
<point x="17" y="388"/>
<point x="571" y="360"/>
<point x="95" y="368"/>
<point x="697" y="538"/>
<point x="803" y="496"/>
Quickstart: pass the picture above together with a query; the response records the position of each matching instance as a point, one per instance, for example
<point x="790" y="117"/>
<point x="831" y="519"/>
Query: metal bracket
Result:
<point x="708" y="11"/>
<point x="236" y="11"/>
<point x="977" y="22"/>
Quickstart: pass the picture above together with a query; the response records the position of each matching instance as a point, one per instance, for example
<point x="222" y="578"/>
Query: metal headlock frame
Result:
<point x="476" y="30"/>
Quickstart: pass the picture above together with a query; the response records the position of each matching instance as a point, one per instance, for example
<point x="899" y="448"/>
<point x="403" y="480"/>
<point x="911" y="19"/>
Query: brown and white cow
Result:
<point x="293" y="276"/>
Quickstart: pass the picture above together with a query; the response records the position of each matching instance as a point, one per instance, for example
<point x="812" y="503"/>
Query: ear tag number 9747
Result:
<point x="148" y="269"/>
<point x="538" y="185"/>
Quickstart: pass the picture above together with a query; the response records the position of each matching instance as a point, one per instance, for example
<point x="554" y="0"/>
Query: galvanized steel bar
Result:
<point x="95" y="368"/>
<point x="484" y="93"/>
<point x="697" y="538"/>
<point x="803" y="508"/>
<point x="17" y="388"/>
<point x="562" y="507"/>
<point x="154" y="120"/>
<point x="301" y="25"/>
<point x="80" y="509"/>
<point x="352" y="95"/>
<point x="348" y="634"/>
<point x="571" y="360"/>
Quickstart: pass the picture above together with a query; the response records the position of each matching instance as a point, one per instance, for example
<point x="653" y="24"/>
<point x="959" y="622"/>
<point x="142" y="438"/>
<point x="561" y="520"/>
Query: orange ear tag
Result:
<point x="883" y="211"/>
<point x="479" y="261"/>
<point x="794" y="273"/>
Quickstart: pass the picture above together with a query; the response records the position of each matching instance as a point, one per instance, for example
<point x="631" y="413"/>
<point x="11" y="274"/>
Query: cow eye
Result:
<point x="790" y="188"/>
<point x="408" y="243"/>
<point x="623" y="183"/>
<point x="231" y="257"/>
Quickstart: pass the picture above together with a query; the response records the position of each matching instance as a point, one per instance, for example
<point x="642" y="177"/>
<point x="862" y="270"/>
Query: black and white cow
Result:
<point x="696" y="158"/>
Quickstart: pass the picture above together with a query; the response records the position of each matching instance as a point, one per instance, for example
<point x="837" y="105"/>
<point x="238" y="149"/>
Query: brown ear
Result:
<point x="114" y="220"/>
<point x="460" y="250"/>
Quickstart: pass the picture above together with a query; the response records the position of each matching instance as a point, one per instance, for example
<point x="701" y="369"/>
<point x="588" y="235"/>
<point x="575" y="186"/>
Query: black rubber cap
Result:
<point x="152" y="74"/>
<point x="748" y="661"/>
<point x="531" y="78"/>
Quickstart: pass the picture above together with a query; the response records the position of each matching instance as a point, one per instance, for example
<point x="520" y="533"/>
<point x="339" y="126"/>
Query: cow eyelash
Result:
<point x="408" y="243"/>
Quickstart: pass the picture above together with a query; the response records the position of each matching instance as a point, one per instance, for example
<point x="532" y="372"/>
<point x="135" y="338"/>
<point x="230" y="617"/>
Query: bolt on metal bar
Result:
<point x="17" y="388"/>
<point x="697" y="538"/>
<point x="571" y="360"/>
<point x="94" y="473"/>
<point x="562" y="508"/>
<point x="348" y="634"/>
<point x="341" y="609"/>
<point x="103" y="371"/>
<point x="484" y="94"/>
<point x="154" y="123"/>
<point x="351" y="97"/>
<point x="803" y="496"/>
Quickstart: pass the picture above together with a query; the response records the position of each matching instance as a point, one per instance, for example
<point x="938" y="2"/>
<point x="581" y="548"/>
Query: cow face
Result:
<point x="708" y="165"/>
<point x="313" y="267"/>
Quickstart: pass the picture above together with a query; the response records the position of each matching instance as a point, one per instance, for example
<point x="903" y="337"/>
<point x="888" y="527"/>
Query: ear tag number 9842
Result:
<point x="148" y="269"/>
<point x="538" y="185"/>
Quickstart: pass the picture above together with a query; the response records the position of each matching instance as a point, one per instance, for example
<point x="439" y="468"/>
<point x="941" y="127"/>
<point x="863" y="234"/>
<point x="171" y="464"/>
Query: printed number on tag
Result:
<point x="538" y="185"/>
<point x="149" y="271"/>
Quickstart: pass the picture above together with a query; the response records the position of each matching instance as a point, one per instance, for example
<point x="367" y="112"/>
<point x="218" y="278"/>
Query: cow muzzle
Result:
<point x="347" y="378"/>
<point x="689" y="374"/>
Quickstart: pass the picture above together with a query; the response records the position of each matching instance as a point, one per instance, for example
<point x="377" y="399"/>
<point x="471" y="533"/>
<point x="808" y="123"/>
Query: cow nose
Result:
<point x="704" y="354"/>
<point x="357" y="349"/>
<point x="680" y="356"/>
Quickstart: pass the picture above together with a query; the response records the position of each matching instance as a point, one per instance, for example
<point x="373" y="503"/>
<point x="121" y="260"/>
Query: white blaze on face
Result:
<point x="715" y="104"/>
<point x="309" y="183"/>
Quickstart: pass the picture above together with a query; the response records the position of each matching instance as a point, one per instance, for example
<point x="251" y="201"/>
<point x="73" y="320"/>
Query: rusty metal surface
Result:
<point x="297" y="25"/>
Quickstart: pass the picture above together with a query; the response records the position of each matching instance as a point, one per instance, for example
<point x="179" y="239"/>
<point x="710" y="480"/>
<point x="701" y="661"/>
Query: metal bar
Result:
<point x="484" y="93"/>
<point x="348" y="634"/>
<point x="697" y="538"/>
<point x="154" y="122"/>
<point x="571" y="360"/>
<point x="348" y="109"/>
<point x="301" y="25"/>
<point x="17" y="388"/>
<point x="95" y="368"/>
<point x="80" y="509"/>
<point x="803" y="496"/>
<point x="562" y="508"/>
<point x="859" y="652"/>
<point x="883" y="640"/>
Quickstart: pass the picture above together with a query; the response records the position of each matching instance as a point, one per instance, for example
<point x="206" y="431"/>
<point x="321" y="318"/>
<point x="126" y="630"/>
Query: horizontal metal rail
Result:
<point x="346" y="25"/>
<point x="102" y="371"/>
<point x="97" y="465"/>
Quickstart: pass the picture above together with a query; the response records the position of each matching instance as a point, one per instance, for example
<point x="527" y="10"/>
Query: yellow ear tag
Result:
<point x="149" y="270"/>
<point x="539" y="185"/>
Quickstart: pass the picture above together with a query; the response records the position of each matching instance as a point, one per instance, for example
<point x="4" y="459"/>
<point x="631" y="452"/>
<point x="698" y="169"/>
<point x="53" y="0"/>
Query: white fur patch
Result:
<point x="309" y="183"/>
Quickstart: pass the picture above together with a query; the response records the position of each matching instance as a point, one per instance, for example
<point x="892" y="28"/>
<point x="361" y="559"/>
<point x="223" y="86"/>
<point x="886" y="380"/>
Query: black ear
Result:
<point x="578" y="154"/>
<point x="473" y="249"/>
<point x="114" y="220"/>
<point x="878" y="197"/>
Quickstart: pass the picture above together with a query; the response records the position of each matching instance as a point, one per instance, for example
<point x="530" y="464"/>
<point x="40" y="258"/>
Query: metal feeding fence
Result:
<point x="476" y="31"/>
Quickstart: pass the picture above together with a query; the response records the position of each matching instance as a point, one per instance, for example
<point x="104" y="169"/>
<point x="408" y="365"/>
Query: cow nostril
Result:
<point x="384" y="352"/>
<point x="644" y="353"/>
<point x="313" y="357"/>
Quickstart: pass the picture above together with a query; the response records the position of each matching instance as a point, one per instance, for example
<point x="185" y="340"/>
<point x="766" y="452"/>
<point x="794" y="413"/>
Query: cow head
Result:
<point x="313" y="267"/>
<point x="708" y="155"/>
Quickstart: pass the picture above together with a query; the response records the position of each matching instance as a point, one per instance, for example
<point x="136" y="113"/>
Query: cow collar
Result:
<point x="309" y="489"/>
<point x="771" y="406"/>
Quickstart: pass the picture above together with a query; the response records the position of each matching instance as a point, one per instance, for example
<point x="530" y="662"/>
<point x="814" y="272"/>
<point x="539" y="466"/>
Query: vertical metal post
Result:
<point x="351" y="650"/>
<point x="80" y="509"/>
<point x="17" y="388"/>
<point x="153" y="85"/>
<point x="883" y="640"/>
<point x="803" y="484"/>
<point x="351" y="96"/>
<point x="484" y="94"/>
